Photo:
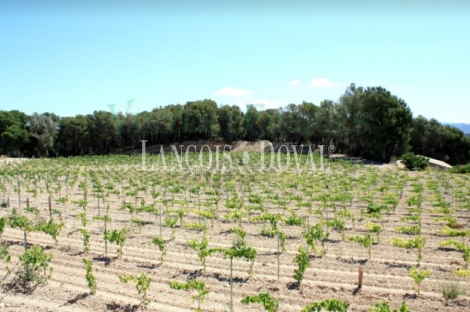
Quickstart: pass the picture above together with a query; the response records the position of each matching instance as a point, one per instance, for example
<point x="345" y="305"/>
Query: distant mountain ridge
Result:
<point x="462" y="126"/>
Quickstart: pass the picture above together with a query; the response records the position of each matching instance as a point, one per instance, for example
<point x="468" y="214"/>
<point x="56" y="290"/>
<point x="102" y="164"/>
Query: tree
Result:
<point x="13" y="133"/>
<point x="102" y="129"/>
<point x="44" y="129"/>
<point x="73" y="137"/>
<point x="377" y="122"/>
<point x="230" y="121"/>
<point x="15" y="138"/>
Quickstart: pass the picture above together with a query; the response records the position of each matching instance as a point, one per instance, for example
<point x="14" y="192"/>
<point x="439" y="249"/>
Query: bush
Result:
<point x="451" y="289"/>
<point x="36" y="266"/>
<point x="414" y="162"/>
<point x="460" y="169"/>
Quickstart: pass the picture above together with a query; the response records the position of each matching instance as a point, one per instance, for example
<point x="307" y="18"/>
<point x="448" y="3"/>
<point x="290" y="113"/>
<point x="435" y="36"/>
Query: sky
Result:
<point x="75" y="58"/>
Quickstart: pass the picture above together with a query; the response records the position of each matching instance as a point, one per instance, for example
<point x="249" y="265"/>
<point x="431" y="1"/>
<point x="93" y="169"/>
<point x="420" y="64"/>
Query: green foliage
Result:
<point x="302" y="264"/>
<point x="44" y="129"/>
<point x="50" y="228"/>
<point x="237" y="215"/>
<point x="82" y="217"/>
<point x="374" y="210"/>
<point x="415" y="218"/>
<point x="409" y="229"/>
<point x="160" y="242"/>
<point x="90" y="278"/>
<point x="282" y="240"/>
<point x="293" y="219"/>
<point x="447" y="231"/>
<point x="460" y="246"/>
<point x="128" y="206"/>
<point x="102" y="218"/>
<point x="234" y="203"/>
<point x="240" y="235"/>
<point x="201" y="248"/>
<point x="142" y="282"/>
<point x="202" y="227"/>
<point x="365" y="240"/>
<point x="118" y="237"/>
<point x="32" y="210"/>
<point x="332" y="305"/>
<point x="138" y="222"/>
<point x="193" y="286"/>
<point x="451" y="289"/>
<point x="269" y="303"/>
<point x="273" y="219"/>
<point x="337" y="224"/>
<point x="384" y="307"/>
<point x="418" y="275"/>
<point x="462" y="272"/>
<point x="180" y="213"/>
<point x="239" y="250"/>
<point x="254" y="199"/>
<point x="21" y="222"/>
<point x="3" y="224"/>
<point x="34" y="261"/>
<point x="414" y="162"/>
<point x="81" y="202"/>
<point x="86" y="240"/>
<point x="316" y="233"/>
<point x="415" y="200"/>
<point x="463" y="169"/>
<point x="171" y="222"/>
<point x="375" y="228"/>
<point x="4" y="254"/>
<point x="417" y="242"/>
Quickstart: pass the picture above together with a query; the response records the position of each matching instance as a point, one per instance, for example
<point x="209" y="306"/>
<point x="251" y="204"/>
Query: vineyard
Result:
<point x="99" y="233"/>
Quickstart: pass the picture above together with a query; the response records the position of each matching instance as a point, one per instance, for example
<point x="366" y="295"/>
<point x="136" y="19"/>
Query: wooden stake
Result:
<point x="50" y="208"/>
<point x="27" y="202"/>
<point x="278" y="256"/>
<point x="105" y="241"/>
<point x="25" y="241"/>
<point x="161" y="208"/>
<point x="359" y="282"/>
<point x="19" y="195"/>
<point x="231" y="287"/>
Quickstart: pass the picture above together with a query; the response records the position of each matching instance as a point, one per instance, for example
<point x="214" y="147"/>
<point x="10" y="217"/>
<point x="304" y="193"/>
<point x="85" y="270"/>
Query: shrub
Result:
<point x="118" y="237"/>
<point x="414" y="162"/>
<point x="302" y="262"/>
<point x="460" y="169"/>
<point x="384" y="307"/>
<point x="90" y="278"/>
<point x="160" y="242"/>
<point x="142" y="282"/>
<point x="269" y="303"/>
<point x="333" y="305"/>
<point x="451" y="289"/>
<point x="418" y="275"/>
<point x="34" y="260"/>
<point x="193" y="286"/>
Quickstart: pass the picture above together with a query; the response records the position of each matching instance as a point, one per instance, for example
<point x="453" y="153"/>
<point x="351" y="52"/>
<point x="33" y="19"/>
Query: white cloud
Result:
<point x="322" y="83"/>
<point x="294" y="82"/>
<point x="229" y="91"/>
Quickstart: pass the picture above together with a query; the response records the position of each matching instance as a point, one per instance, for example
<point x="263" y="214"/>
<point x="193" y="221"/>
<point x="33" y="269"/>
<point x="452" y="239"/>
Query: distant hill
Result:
<point x="462" y="126"/>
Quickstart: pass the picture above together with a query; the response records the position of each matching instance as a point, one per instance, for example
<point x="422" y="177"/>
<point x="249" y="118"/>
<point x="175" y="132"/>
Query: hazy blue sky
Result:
<point x="74" y="59"/>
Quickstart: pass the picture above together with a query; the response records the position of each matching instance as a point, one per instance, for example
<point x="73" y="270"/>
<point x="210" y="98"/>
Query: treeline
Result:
<point x="368" y="122"/>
